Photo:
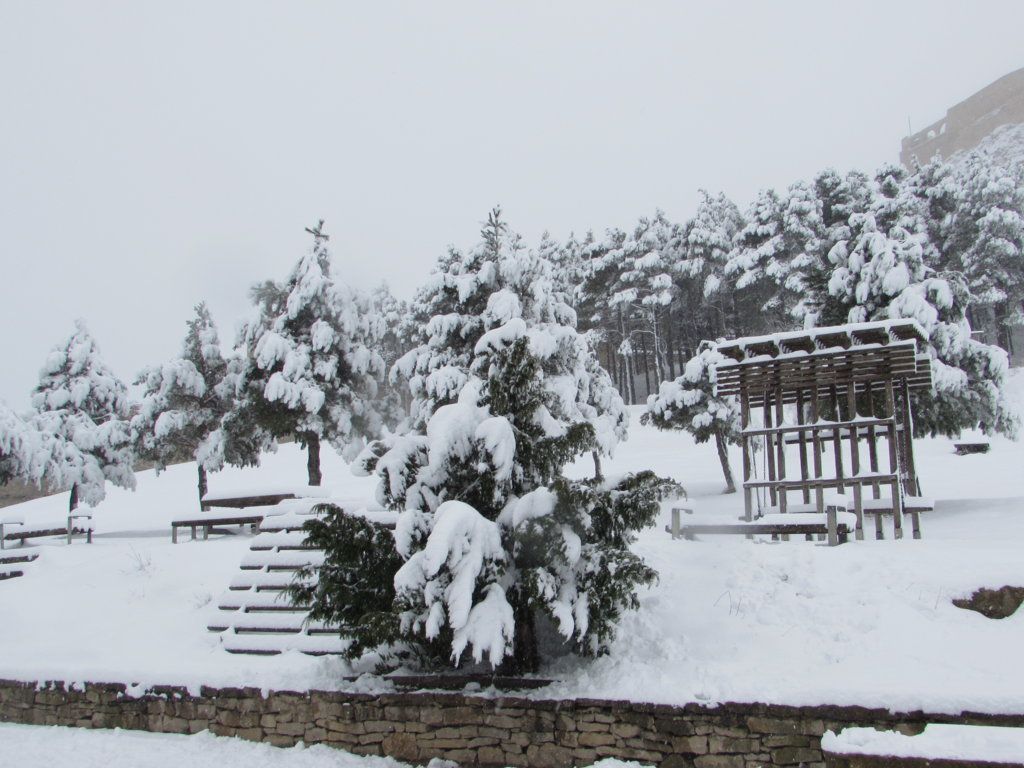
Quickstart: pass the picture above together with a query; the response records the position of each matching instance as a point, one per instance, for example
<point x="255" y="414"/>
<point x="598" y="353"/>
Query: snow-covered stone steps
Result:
<point x="273" y="622"/>
<point x="262" y="581"/>
<point x="274" y="559"/>
<point x="255" y="615"/>
<point x="270" y="645"/>
<point x="13" y="565"/>
<point x="271" y="600"/>
<point x="280" y="540"/>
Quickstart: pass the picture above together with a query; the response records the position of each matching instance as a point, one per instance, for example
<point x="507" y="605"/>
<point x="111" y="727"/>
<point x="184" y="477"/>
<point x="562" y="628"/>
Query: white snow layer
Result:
<point x="34" y="746"/>
<point x="951" y="742"/>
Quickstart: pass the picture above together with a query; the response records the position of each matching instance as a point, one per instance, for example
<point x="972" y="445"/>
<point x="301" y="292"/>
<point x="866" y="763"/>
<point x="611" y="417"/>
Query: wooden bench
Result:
<point x="964" y="449"/>
<point x="912" y="505"/>
<point x="12" y="566"/>
<point x="252" y="517"/>
<point x="14" y="528"/>
<point x="251" y="511"/>
<point x="835" y="524"/>
<point x="938" y="746"/>
<point x="241" y="502"/>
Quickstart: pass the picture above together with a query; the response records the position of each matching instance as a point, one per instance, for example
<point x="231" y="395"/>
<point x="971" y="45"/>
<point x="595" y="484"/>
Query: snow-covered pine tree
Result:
<point x="14" y="434"/>
<point x="82" y="409"/>
<point x="878" y="276"/>
<point x="399" y="333"/>
<point x="491" y="533"/>
<point x="802" y="232"/>
<point x="890" y="207"/>
<point x="989" y="230"/>
<point x="700" y="254"/>
<point x="689" y="403"/>
<point x="838" y="197"/>
<point x="600" y="273"/>
<point x="923" y="203"/>
<point x="184" y="403"/>
<point x="771" y="255"/>
<point x="310" y="365"/>
<point x="644" y="286"/>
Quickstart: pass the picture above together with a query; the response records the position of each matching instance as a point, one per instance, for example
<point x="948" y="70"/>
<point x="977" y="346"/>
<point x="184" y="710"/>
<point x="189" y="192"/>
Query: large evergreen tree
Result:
<point x="310" y="364"/>
<point x="82" y="409"/>
<point x="17" y="439"/>
<point x="184" y="403"/>
<point x="989" y="236"/>
<point x="878" y="276"/>
<point x="492" y="535"/>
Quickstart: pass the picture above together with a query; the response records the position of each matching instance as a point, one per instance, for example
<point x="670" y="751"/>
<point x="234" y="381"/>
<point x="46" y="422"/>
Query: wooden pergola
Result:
<point x="843" y="390"/>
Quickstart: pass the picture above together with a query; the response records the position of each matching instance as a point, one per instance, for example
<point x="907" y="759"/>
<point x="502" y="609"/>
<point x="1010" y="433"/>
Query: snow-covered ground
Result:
<point x="33" y="746"/>
<point x="868" y="623"/>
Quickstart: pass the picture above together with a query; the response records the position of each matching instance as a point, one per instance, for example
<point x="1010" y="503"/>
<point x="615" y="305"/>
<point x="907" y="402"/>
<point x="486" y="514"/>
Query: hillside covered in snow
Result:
<point x="867" y="623"/>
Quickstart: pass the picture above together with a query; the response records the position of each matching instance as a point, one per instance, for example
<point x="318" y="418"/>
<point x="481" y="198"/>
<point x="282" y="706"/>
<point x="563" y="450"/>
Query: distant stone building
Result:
<point x="966" y="124"/>
<point x="993" y="116"/>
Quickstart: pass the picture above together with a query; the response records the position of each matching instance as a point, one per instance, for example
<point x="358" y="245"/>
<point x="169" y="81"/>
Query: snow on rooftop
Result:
<point x="780" y="339"/>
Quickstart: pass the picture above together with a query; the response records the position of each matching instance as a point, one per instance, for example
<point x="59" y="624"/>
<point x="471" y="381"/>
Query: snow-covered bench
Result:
<point x="207" y="520"/>
<point x="14" y="527"/>
<point x="242" y="509"/>
<point x="938" y="746"/>
<point x="912" y="505"/>
<point x="12" y="566"/>
<point x="965" y="449"/>
<point x="835" y="523"/>
<point x="261" y="497"/>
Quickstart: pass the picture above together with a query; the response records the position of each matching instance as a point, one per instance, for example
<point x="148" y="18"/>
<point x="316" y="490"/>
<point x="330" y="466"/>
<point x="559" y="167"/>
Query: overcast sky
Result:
<point x="154" y="155"/>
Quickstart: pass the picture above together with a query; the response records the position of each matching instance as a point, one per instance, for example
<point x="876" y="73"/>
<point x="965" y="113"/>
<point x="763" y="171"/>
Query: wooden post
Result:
<point x="769" y="447"/>
<point x="872" y="439"/>
<point x="913" y="484"/>
<point x="803" y="444"/>
<point x="819" y="493"/>
<point x="748" y="502"/>
<point x="831" y="518"/>
<point x="837" y="438"/>
<point x="858" y="490"/>
<point x="894" y="462"/>
<point x="781" y="446"/>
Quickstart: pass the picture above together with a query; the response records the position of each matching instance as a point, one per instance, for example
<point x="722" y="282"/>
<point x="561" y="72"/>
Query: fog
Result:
<point x="155" y="156"/>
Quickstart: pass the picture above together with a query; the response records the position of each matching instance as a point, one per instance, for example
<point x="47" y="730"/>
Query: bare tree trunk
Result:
<point x="631" y="380"/>
<point x="312" y="441"/>
<point x="670" y="347"/>
<point x="202" y="484"/>
<point x="627" y="363"/>
<point x="723" y="457"/>
<point x="598" y="475"/>
<point x="647" y="375"/>
<point x="73" y="502"/>
<point x="525" y="656"/>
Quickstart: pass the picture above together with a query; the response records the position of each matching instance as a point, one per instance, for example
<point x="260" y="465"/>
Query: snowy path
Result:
<point x="866" y="623"/>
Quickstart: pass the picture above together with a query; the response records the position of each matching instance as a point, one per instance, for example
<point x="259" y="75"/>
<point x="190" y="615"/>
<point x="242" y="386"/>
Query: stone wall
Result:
<point x="470" y="729"/>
